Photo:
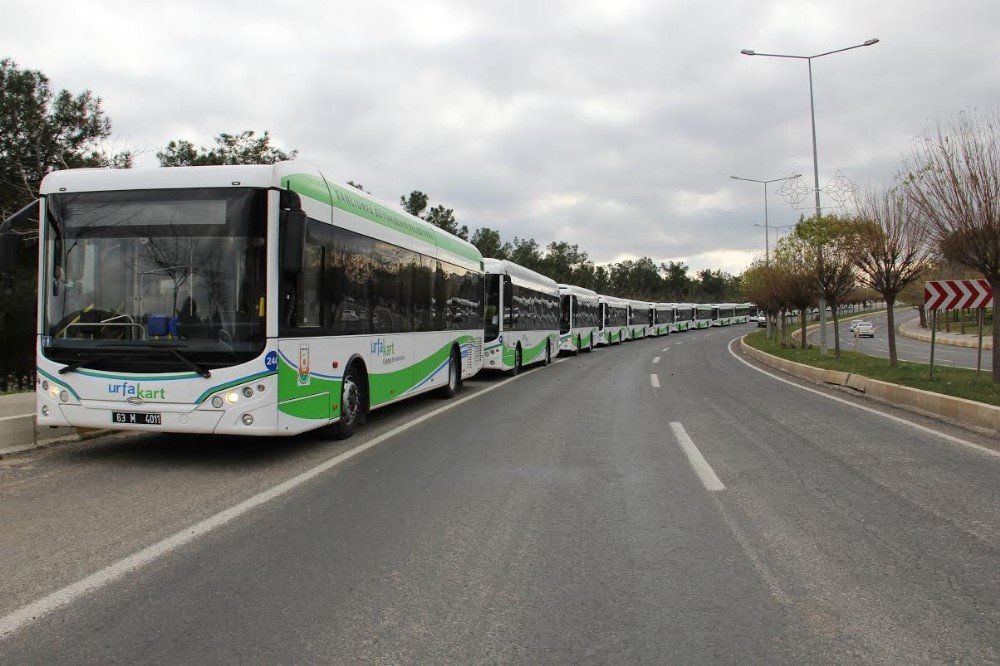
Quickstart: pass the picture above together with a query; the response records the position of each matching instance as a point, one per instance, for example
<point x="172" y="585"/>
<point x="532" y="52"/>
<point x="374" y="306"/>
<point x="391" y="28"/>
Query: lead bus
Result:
<point x="578" y="319"/>
<point x="245" y="300"/>
<point x="522" y="317"/>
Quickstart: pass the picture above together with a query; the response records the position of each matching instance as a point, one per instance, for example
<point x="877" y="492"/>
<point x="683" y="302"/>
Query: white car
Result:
<point x="854" y="324"/>
<point x="864" y="329"/>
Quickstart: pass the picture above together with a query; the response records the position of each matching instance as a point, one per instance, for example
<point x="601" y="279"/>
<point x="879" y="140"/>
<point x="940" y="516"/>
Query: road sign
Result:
<point x="957" y="295"/>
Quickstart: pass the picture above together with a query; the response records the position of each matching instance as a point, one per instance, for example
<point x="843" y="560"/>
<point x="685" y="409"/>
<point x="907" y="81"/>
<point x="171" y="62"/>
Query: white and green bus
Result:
<point x="723" y="314"/>
<point x="639" y="319"/>
<point x="683" y="316"/>
<point x="663" y="319"/>
<point x="522" y="317"/>
<point x="245" y="300"/>
<point x="743" y="312"/>
<point x="703" y="316"/>
<point x="578" y="319"/>
<point x="612" y="320"/>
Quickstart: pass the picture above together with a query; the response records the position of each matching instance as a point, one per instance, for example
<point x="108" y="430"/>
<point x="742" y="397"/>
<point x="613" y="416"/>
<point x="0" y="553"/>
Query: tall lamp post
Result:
<point x="812" y="115"/>
<point x="767" y="251"/>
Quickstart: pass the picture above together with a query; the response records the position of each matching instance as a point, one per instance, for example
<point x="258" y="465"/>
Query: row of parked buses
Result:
<point x="270" y="300"/>
<point x="530" y="318"/>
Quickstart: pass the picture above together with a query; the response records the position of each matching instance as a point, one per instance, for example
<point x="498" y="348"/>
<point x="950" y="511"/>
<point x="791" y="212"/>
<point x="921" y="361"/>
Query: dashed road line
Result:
<point x="698" y="462"/>
<point x="656" y="359"/>
<point x="654" y="379"/>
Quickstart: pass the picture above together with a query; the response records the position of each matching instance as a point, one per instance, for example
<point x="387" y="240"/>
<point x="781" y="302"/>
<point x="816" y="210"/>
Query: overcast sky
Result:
<point x="614" y="125"/>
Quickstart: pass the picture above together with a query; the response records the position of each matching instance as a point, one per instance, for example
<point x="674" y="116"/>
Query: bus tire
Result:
<point x="352" y="403"/>
<point x="590" y="344"/>
<point x="548" y="353"/>
<point x="516" y="370"/>
<point x="454" y="382"/>
<point x="579" y="346"/>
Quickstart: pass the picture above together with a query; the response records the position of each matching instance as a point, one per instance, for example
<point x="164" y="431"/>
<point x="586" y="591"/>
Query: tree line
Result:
<point x="940" y="218"/>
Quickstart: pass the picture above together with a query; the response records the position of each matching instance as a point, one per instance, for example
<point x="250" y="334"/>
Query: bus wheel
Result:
<point x="590" y="344"/>
<point x="352" y="404"/>
<point x="548" y="353"/>
<point x="517" y="362"/>
<point x="454" y="377"/>
<point x="579" y="345"/>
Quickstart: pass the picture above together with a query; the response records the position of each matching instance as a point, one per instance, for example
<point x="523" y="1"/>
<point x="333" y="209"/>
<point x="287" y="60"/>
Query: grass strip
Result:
<point x="957" y="382"/>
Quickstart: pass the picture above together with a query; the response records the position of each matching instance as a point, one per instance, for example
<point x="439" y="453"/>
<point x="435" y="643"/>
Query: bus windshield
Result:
<point x="155" y="280"/>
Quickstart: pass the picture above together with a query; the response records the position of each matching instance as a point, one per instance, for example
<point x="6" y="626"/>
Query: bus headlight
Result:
<point x="247" y="420"/>
<point x="54" y="391"/>
<point x="247" y="391"/>
<point x="217" y="402"/>
<point x="45" y="410"/>
<point x="64" y="396"/>
<point x="232" y="397"/>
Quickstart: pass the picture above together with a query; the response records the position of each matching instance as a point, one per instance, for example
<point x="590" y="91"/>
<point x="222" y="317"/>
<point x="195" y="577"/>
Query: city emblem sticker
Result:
<point x="304" y="365"/>
<point x="271" y="361"/>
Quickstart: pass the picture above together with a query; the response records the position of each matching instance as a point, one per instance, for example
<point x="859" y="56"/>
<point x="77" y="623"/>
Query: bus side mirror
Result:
<point x="293" y="240"/>
<point x="10" y="244"/>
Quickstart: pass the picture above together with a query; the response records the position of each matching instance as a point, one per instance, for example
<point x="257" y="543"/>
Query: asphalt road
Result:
<point x="907" y="349"/>
<point x="658" y="501"/>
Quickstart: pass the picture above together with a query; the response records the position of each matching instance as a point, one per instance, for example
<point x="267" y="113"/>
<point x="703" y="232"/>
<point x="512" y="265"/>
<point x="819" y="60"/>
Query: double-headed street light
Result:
<point x="767" y="246"/>
<point x="812" y="115"/>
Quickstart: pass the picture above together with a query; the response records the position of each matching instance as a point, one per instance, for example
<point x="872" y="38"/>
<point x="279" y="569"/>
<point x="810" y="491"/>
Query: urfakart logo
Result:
<point x="134" y="390"/>
<point x="381" y="348"/>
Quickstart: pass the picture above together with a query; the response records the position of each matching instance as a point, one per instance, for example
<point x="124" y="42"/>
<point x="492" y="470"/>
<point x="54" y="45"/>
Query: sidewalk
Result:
<point x="911" y="329"/>
<point x="17" y="426"/>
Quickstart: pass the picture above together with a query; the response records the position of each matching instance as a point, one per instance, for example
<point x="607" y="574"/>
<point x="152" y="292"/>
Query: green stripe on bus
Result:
<point x="334" y="195"/>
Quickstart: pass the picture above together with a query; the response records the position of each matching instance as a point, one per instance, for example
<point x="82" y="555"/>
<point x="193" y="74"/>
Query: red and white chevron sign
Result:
<point x="957" y="294"/>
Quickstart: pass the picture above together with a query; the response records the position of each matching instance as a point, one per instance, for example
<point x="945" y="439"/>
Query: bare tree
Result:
<point x="890" y="249"/>
<point x="953" y="180"/>
<point x="797" y="284"/>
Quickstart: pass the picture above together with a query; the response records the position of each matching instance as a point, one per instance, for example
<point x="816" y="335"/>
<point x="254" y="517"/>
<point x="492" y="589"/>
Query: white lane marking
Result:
<point x="698" y="462"/>
<point x="654" y="379"/>
<point x="925" y="429"/>
<point x="680" y="342"/>
<point x="63" y="597"/>
<point x="665" y="349"/>
<point x="656" y="359"/>
<point x="16" y="416"/>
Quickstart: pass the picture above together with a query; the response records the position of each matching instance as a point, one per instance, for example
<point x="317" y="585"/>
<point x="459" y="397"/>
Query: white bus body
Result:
<point x="663" y="319"/>
<point x="578" y="318"/>
<point x="683" y="316"/>
<point x="612" y="320"/>
<point x="638" y="319"/>
<point x="246" y="300"/>
<point x="522" y="317"/>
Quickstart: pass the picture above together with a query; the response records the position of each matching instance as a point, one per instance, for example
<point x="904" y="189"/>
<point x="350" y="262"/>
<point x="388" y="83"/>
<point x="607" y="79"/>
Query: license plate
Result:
<point x="136" y="418"/>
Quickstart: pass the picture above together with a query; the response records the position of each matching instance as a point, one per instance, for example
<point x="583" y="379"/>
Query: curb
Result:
<point x="917" y="333"/>
<point x="81" y="435"/>
<point x="966" y="412"/>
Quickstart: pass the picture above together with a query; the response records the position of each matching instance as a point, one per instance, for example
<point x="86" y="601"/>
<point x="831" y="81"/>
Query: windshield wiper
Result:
<point x="201" y="370"/>
<point x="73" y="365"/>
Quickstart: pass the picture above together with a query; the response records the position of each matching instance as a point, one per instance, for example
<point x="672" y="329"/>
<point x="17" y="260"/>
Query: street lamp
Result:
<point x="812" y="115"/>
<point x="767" y="251"/>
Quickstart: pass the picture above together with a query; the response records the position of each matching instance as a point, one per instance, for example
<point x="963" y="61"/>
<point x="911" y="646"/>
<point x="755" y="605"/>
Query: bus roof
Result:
<point x="578" y="291"/>
<point x="299" y="177"/>
<point x="614" y="300"/>
<point x="521" y="275"/>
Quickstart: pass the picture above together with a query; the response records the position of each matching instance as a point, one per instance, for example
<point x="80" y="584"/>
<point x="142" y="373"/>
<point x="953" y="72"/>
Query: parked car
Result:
<point x="761" y="321"/>
<point x="854" y="324"/>
<point x="864" y="329"/>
